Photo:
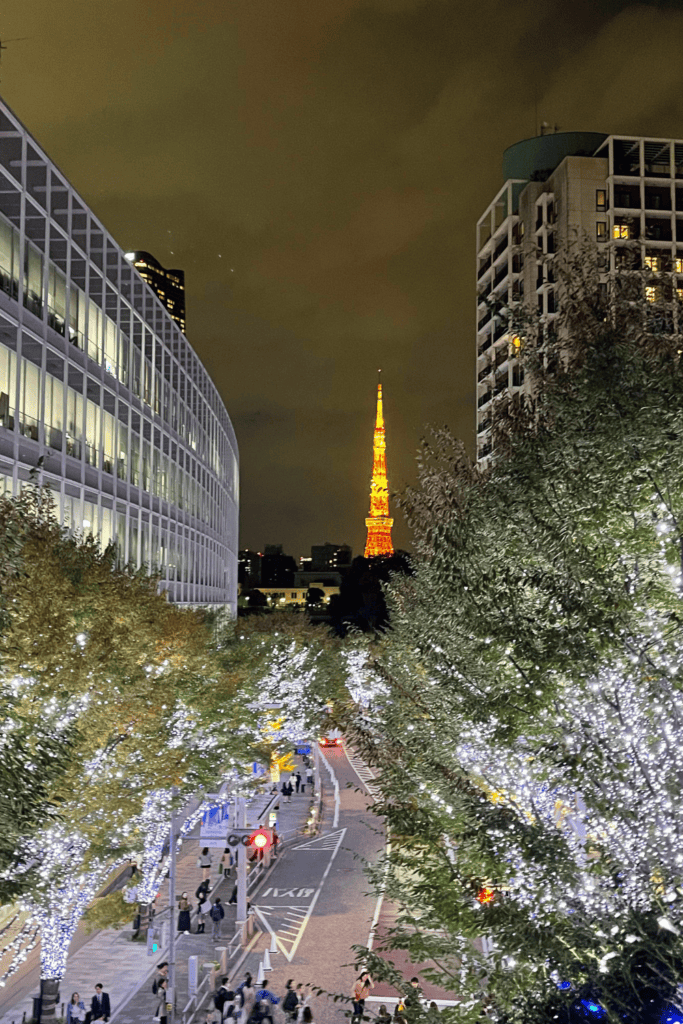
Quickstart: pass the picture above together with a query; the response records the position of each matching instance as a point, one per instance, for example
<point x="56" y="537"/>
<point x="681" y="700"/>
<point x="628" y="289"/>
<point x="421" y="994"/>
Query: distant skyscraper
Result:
<point x="378" y="522"/>
<point x="168" y="284"/>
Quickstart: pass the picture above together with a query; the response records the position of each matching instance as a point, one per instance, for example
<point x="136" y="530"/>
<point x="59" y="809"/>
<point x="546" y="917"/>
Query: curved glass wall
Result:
<point x="102" y="392"/>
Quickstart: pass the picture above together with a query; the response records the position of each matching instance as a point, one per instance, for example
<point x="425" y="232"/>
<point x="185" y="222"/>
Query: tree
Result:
<point x="92" y="652"/>
<point x="525" y="710"/>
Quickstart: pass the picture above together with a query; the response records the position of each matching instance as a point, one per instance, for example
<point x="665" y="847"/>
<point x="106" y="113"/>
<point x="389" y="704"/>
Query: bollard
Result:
<point x="267" y="967"/>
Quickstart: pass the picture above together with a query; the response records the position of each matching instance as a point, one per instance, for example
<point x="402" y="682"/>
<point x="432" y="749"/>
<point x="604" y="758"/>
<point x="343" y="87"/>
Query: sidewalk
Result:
<point x="123" y="967"/>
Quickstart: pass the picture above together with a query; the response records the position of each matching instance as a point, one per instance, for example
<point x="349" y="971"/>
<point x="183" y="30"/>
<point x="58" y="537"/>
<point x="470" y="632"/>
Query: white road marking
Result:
<point x="295" y="912"/>
<point x="326" y="842"/>
<point x="335" y="783"/>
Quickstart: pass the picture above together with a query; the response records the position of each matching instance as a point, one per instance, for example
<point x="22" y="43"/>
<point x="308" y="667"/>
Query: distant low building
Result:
<point x="277" y="568"/>
<point x="283" y="597"/>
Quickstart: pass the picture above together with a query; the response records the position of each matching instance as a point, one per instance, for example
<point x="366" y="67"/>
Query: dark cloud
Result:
<point x="317" y="170"/>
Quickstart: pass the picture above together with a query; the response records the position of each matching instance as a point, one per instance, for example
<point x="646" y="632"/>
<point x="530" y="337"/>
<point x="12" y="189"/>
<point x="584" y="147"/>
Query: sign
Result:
<point x="214" y="827"/>
<point x="272" y="819"/>
<point x="303" y="749"/>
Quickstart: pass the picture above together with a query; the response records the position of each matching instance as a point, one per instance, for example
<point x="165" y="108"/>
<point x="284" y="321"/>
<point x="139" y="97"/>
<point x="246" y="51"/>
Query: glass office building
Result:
<point x="102" y="392"/>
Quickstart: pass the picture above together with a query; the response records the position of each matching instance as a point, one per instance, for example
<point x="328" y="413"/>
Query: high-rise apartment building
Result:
<point x="169" y="285"/>
<point x="621" y="192"/>
<point x="101" y="390"/>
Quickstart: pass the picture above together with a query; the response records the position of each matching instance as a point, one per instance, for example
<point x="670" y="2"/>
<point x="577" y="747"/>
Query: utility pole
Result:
<point x="170" y="995"/>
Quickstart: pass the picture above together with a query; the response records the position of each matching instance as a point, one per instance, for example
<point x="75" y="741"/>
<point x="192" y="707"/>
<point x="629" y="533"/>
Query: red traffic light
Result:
<point x="261" y="839"/>
<point x="486" y="895"/>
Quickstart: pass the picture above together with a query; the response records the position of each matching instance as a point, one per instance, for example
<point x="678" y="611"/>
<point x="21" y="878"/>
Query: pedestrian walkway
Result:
<point x="122" y="965"/>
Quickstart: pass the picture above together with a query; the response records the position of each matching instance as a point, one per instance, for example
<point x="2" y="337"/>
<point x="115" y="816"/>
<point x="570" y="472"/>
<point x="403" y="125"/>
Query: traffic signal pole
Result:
<point x="242" y="856"/>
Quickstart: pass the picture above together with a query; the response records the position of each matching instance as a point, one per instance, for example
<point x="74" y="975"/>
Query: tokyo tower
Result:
<point x="378" y="522"/>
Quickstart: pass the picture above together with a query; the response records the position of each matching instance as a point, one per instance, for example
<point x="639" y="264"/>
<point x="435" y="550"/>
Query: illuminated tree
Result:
<point x="132" y="687"/>
<point x="526" y="715"/>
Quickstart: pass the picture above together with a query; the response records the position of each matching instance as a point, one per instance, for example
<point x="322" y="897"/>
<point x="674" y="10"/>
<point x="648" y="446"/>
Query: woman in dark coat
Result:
<point x="184" y="914"/>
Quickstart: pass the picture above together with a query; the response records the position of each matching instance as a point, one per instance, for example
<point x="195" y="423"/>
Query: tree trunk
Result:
<point x="49" y="996"/>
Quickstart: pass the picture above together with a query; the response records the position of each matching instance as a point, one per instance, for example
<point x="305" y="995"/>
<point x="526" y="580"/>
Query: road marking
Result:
<point x="296" y="915"/>
<point x="335" y="783"/>
<point x="326" y="842"/>
<point x="365" y="774"/>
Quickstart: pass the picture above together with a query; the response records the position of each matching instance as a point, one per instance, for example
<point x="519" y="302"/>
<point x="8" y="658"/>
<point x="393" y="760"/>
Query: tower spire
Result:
<point x="378" y="522"/>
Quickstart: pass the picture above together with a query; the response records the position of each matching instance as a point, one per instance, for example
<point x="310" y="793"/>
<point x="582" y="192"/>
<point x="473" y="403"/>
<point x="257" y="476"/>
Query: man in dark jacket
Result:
<point x="224" y="1000"/>
<point x="100" y="1007"/>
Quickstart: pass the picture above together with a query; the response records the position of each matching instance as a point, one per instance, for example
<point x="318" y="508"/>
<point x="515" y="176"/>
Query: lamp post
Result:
<point x="170" y="995"/>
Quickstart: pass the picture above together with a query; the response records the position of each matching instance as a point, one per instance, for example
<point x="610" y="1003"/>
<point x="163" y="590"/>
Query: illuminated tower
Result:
<point x="378" y="522"/>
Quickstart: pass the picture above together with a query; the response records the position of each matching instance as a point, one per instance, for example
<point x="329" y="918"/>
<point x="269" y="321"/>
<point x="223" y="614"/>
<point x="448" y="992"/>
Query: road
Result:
<point x="320" y="904"/>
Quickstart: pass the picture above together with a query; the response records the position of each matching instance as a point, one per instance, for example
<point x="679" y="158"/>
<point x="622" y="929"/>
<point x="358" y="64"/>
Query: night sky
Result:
<point x="317" y="168"/>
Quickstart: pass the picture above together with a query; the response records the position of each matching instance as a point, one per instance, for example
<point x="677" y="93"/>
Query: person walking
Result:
<point x="297" y="781"/>
<point x="204" y="861"/>
<point x="307" y="1015"/>
<point x="100" y="1006"/>
<point x="309" y="777"/>
<point x="303" y="784"/>
<point x="248" y="998"/>
<point x="227" y="862"/>
<point x="75" y="1011"/>
<point x="202" y="890"/>
<point x="161" y="975"/>
<point x="290" y="1001"/>
<point x="224" y="1000"/>
<point x="361" y="991"/>
<point x="217" y="913"/>
<point x="265" y="1000"/>
<point x="184" y="907"/>
<point x="383" y="1017"/>
<point x="161" y="1013"/>
<point x="287" y="790"/>
<point x="203" y="911"/>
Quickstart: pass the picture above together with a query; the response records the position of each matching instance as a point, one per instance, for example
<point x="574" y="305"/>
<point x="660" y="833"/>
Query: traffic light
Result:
<point x="486" y="894"/>
<point x="152" y="941"/>
<point x="261" y="840"/>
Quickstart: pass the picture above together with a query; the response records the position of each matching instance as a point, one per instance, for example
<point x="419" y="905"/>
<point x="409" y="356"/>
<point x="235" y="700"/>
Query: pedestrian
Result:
<point x="307" y="1015"/>
<point x="75" y="1011"/>
<point x="203" y="911"/>
<point x="309" y="776"/>
<point x="161" y="975"/>
<point x="161" y="1012"/>
<point x="265" y="999"/>
<point x="247" y="998"/>
<point x="204" y="861"/>
<point x="304" y="996"/>
<point x="433" y="1013"/>
<point x="202" y="890"/>
<point x="286" y="790"/>
<point x="100" y="1006"/>
<point x="412" y="1003"/>
<point x="383" y="1017"/>
<point x="290" y="1002"/>
<point x="303" y="784"/>
<point x="227" y="862"/>
<point x="297" y="781"/>
<point x="361" y="991"/>
<point x="184" y="924"/>
<point x="217" y="913"/>
<point x="224" y="1000"/>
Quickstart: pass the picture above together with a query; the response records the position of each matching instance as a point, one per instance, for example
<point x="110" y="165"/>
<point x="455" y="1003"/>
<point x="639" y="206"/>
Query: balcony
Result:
<point x="484" y="319"/>
<point x="500" y="248"/>
<point x="483" y="399"/>
<point x="483" y="268"/>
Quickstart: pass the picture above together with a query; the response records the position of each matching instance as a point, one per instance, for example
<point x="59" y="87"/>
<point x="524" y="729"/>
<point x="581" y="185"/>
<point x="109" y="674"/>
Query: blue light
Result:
<point x="593" y="1008"/>
<point x="564" y="985"/>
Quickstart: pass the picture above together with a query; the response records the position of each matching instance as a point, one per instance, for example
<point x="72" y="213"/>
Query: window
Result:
<point x="621" y="231"/>
<point x="600" y="199"/>
<point x="650" y="293"/>
<point x="679" y="266"/>
<point x="601" y="230"/>
<point x="653" y="263"/>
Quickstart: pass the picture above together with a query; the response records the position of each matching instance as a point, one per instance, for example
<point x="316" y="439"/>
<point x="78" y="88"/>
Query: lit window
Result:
<point x="650" y="293"/>
<point x="600" y="199"/>
<point x="601" y="230"/>
<point x="621" y="231"/>
<point x="653" y="263"/>
<point x="679" y="293"/>
<point x="515" y="345"/>
<point x="679" y="266"/>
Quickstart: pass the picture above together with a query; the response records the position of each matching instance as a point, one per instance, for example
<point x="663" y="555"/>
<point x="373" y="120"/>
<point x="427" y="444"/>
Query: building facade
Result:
<point x="618" y="191"/>
<point x="101" y="390"/>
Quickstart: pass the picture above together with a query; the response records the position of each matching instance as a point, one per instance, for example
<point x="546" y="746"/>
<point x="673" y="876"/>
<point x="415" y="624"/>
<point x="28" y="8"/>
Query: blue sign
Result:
<point x="302" y="750"/>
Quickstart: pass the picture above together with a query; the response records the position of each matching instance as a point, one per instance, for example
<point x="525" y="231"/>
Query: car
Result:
<point x="331" y="739"/>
